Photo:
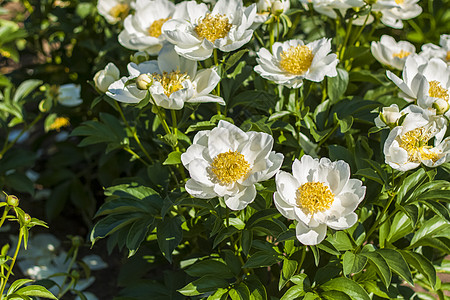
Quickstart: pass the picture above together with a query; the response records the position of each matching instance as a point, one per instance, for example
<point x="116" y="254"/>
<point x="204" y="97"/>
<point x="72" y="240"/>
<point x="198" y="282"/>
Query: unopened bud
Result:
<point x="75" y="274"/>
<point x="277" y="8"/>
<point x="139" y="57"/>
<point x="77" y="241"/>
<point x="441" y="106"/>
<point x="27" y="219"/>
<point x="143" y="82"/>
<point x="12" y="201"/>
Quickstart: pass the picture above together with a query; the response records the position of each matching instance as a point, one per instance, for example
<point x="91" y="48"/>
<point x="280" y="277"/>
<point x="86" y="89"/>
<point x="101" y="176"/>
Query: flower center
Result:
<point x="171" y="82"/>
<point x="314" y="197"/>
<point x="448" y="56"/>
<point x="119" y="11"/>
<point x="155" y="29"/>
<point x="296" y="60"/>
<point x="399" y="1"/>
<point x="401" y="54"/>
<point x="415" y="142"/>
<point x="58" y="123"/>
<point x="437" y="91"/>
<point x="229" y="167"/>
<point x="213" y="27"/>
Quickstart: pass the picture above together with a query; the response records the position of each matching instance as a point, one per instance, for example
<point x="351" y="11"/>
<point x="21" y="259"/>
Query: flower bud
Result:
<point x="77" y="241"/>
<point x="441" y="106"/>
<point x="143" y="82"/>
<point x="139" y="57"/>
<point x="277" y="8"/>
<point x="27" y="219"/>
<point x="12" y="201"/>
<point x="390" y="115"/>
<point x="104" y="78"/>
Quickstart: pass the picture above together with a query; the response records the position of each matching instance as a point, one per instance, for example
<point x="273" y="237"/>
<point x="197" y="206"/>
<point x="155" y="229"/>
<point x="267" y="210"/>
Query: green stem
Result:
<point x="227" y="220"/>
<point x="328" y="135"/>
<point x="5" y="213"/>
<point x="362" y="27"/>
<point x="271" y="37"/>
<point x="174" y="123"/>
<point x="134" y="133"/>
<point x="216" y="62"/>
<point x="161" y="118"/>
<point x="136" y="155"/>
<point x="347" y="35"/>
<point x="19" y="242"/>
<point x="72" y="262"/>
<point x="302" y="259"/>
<point x="8" y="146"/>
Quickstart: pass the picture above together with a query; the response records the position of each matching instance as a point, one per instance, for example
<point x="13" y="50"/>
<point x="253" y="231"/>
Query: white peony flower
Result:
<point x="391" y="53"/>
<point x="428" y="82"/>
<point x="196" y="31"/>
<point x="69" y="95"/>
<point x="171" y="80"/>
<point x="394" y="11"/>
<point x="266" y="7"/>
<point x="318" y="194"/>
<point x="114" y="10"/>
<point x="407" y="146"/>
<point x="433" y="51"/>
<point x="142" y="30"/>
<point x="227" y="162"/>
<point x="292" y="61"/>
<point x="105" y="77"/>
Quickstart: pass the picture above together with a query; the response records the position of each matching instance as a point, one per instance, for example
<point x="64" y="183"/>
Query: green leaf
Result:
<point x="240" y="292"/>
<point x="410" y="181"/>
<point x="174" y="158"/>
<point x="401" y="226"/>
<point x="421" y="264"/>
<point x="430" y="228"/>
<point x="169" y="235"/>
<point x="380" y="265"/>
<point x="234" y="58"/>
<point x="17" y="284"/>
<point x="26" y="88"/>
<point x="256" y="288"/>
<point x="438" y="208"/>
<point x="203" y="285"/>
<point x="264" y="214"/>
<point x="347" y="286"/>
<point x="334" y="295"/>
<point x="36" y="291"/>
<point x="288" y="270"/>
<point x="341" y="241"/>
<point x="209" y="267"/>
<point x="246" y="241"/>
<point x="293" y="293"/>
<point x="397" y="264"/>
<point x="262" y="259"/>
<point x="223" y="234"/>
<point x="353" y="263"/>
<point x="336" y="86"/>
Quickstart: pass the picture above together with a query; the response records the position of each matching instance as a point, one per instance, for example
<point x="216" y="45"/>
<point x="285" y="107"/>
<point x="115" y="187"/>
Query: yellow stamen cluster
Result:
<point x="296" y="60"/>
<point x="437" y="91"/>
<point x="120" y="11"/>
<point x="228" y="167"/>
<point x="58" y="123"/>
<point x="313" y="197"/>
<point x="415" y="142"/>
<point x="448" y="56"/>
<point x="401" y="54"/>
<point x="155" y="29"/>
<point x="399" y="1"/>
<point x="213" y="27"/>
<point x="171" y="82"/>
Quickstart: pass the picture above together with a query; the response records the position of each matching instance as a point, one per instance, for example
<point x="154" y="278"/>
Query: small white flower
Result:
<point x="142" y="30"/>
<point x="172" y="80"/>
<point x="318" y="194"/>
<point x="423" y="80"/>
<point x="105" y="77"/>
<point x="69" y="95"/>
<point x="391" y="53"/>
<point x="196" y="31"/>
<point x="292" y="61"/>
<point x="389" y="116"/>
<point x="407" y="146"/>
<point x="227" y="162"/>
<point x="442" y="51"/>
<point x="114" y="10"/>
<point x="394" y="11"/>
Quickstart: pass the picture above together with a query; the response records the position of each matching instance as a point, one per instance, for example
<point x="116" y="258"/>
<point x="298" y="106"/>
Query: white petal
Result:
<point x="242" y="199"/>
<point x="343" y="222"/>
<point x="283" y="207"/>
<point x="310" y="235"/>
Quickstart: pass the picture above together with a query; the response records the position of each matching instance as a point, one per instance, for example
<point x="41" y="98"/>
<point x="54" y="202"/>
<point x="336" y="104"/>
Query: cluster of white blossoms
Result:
<point x="227" y="162"/>
<point x="417" y="133"/>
